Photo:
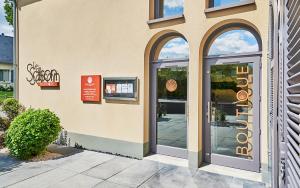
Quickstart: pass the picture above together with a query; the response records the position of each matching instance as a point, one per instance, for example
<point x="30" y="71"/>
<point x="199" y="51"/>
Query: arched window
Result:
<point x="234" y="42"/>
<point x="174" y="48"/>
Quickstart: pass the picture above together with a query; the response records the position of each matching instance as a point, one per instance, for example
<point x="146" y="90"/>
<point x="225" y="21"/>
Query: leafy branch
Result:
<point x="8" y="8"/>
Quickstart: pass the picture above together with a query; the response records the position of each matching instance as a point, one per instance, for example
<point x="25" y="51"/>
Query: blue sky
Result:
<point x="235" y="41"/>
<point x="230" y="42"/>
<point x="173" y="7"/>
<point x="225" y="2"/>
<point x="4" y="26"/>
<point x="175" y="49"/>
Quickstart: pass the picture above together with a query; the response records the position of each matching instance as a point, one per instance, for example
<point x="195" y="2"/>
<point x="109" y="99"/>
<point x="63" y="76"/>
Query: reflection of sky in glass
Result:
<point x="176" y="48"/>
<point x="225" y="2"/>
<point x="233" y="42"/>
<point x="173" y="7"/>
<point x="4" y="26"/>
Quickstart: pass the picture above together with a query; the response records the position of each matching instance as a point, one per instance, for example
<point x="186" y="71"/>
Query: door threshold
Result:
<point x="167" y="160"/>
<point x="233" y="172"/>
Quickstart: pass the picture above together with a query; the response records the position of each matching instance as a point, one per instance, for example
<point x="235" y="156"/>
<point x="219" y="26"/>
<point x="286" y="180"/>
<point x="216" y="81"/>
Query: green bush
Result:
<point x="31" y="132"/>
<point x="6" y="87"/>
<point x="11" y="108"/>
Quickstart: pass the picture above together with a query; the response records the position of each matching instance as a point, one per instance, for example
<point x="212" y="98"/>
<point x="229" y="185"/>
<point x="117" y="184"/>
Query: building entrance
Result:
<point x="232" y="112"/>
<point x="169" y="109"/>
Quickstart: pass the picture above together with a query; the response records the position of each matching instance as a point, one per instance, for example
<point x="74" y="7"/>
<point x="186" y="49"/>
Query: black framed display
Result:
<point x="120" y="88"/>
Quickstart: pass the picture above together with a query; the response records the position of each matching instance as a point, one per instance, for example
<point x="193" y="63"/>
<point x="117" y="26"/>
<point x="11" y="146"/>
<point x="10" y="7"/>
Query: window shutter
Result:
<point x="292" y="50"/>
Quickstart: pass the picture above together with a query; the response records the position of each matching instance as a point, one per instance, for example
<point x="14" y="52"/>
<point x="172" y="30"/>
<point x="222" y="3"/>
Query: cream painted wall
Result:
<point x="109" y="37"/>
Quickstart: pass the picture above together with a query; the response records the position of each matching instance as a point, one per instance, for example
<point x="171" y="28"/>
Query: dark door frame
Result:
<point x="154" y="148"/>
<point x="252" y="165"/>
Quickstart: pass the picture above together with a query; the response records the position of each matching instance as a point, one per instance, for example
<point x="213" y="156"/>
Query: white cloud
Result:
<point x="6" y="29"/>
<point x="173" y="3"/>
<point x="233" y="42"/>
<point x="175" y="48"/>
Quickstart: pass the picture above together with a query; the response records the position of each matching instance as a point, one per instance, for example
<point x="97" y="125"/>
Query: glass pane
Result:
<point x="12" y="76"/>
<point x="232" y="110"/>
<point x="6" y="75"/>
<point x="1" y="75"/>
<point x="234" y="42"/>
<point x="171" y="107"/>
<point x="176" y="48"/>
<point x="217" y="3"/>
<point x="171" y="8"/>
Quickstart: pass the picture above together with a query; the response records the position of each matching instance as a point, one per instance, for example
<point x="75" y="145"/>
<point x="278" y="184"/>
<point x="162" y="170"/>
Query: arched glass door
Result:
<point x="169" y="98"/>
<point x="232" y="100"/>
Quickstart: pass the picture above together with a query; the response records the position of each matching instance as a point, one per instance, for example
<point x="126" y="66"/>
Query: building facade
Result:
<point x="201" y="69"/>
<point x="6" y="59"/>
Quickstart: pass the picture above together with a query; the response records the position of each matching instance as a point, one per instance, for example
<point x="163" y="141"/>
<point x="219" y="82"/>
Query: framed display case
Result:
<point x="120" y="88"/>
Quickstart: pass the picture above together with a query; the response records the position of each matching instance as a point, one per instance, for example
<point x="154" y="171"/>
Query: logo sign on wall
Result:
<point x="43" y="78"/>
<point x="171" y="85"/>
<point x="90" y="88"/>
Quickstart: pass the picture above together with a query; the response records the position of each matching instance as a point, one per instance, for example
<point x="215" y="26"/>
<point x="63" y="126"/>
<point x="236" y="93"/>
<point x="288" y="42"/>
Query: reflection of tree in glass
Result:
<point x="224" y="80"/>
<point x="220" y="115"/>
<point x="178" y="74"/>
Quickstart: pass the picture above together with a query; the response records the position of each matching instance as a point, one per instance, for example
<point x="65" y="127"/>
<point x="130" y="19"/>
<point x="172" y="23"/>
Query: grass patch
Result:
<point x="5" y="94"/>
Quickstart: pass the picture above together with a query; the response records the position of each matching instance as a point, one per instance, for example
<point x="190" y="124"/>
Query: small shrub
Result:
<point x="12" y="108"/>
<point x="31" y="132"/>
<point x="4" y="124"/>
<point x="2" y="88"/>
<point x="9" y="88"/>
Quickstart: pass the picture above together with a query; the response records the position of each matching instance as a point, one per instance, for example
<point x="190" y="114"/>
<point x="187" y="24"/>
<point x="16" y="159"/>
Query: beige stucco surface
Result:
<point x="112" y="38"/>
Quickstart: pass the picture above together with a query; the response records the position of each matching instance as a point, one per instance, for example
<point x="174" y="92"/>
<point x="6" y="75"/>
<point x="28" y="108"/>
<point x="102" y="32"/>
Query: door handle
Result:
<point x="208" y="112"/>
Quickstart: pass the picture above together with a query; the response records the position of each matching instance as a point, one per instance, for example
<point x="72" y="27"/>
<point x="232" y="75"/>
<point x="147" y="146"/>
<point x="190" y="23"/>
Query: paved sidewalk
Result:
<point x="92" y="169"/>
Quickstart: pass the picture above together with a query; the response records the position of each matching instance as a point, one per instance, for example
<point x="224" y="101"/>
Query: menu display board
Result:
<point x="120" y="88"/>
<point x="90" y="88"/>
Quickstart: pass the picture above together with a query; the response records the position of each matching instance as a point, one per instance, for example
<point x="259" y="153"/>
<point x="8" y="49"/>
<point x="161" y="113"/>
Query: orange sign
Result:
<point x="171" y="85"/>
<point x="48" y="84"/>
<point x="90" y="88"/>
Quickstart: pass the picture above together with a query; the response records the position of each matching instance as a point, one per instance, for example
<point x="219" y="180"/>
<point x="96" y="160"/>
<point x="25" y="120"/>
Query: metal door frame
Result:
<point x="254" y="164"/>
<point x="161" y="149"/>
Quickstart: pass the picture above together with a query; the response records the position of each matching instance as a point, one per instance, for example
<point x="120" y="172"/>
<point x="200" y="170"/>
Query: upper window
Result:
<point x="168" y="8"/>
<point x="234" y="42"/>
<point x="219" y="3"/>
<point x="176" y="48"/>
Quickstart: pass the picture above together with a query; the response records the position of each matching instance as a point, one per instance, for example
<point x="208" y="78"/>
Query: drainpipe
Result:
<point x="15" y="58"/>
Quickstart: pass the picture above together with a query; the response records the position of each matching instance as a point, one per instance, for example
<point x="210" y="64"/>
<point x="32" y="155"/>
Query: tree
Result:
<point x="8" y="8"/>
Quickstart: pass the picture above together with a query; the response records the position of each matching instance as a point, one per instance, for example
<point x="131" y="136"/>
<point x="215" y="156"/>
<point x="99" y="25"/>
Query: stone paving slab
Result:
<point x="110" y="168"/>
<point x="70" y="158"/>
<point x="204" y="179"/>
<point x="93" y="169"/>
<point x="79" y="181"/>
<point x="22" y="174"/>
<point x="137" y="174"/>
<point x="45" y="179"/>
<point x="87" y="162"/>
<point x="171" y="176"/>
<point x="107" y="184"/>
